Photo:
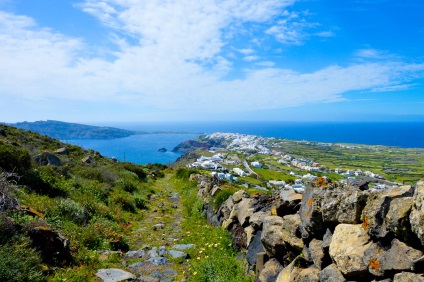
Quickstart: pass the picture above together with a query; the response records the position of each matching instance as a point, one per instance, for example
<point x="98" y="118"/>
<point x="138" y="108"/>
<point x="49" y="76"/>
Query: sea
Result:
<point x="143" y="149"/>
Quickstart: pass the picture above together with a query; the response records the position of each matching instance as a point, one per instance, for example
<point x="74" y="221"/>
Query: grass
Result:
<point x="214" y="259"/>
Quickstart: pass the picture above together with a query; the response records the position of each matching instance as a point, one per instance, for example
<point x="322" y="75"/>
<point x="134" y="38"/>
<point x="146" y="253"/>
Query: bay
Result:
<point x="142" y="149"/>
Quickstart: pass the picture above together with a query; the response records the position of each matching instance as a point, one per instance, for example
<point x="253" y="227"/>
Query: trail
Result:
<point x="153" y="238"/>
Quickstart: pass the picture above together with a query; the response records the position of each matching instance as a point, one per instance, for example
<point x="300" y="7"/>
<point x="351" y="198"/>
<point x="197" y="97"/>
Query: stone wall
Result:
<point x="324" y="234"/>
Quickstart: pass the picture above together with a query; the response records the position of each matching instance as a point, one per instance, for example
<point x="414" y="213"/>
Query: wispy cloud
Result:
<point x="169" y="53"/>
<point x="390" y="88"/>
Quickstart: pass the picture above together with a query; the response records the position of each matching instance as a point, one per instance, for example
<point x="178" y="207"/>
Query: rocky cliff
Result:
<point x="326" y="234"/>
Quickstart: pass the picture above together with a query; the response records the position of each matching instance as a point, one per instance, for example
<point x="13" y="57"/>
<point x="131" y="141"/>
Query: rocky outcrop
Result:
<point x="46" y="158"/>
<point x="417" y="212"/>
<point x="326" y="234"/>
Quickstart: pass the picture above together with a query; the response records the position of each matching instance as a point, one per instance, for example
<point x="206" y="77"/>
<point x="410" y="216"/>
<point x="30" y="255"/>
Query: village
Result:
<point x="250" y="161"/>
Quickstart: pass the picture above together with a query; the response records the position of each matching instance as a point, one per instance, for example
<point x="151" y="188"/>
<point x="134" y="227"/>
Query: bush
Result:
<point x="120" y="245"/>
<point x="220" y="198"/>
<point x="140" y="203"/>
<point x="70" y="210"/>
<point x="137" y="169"/>
<point x="44" y="180"/>
<point x="14" y="159"/>
<point x="127" y="185"/>
<point x="8" y="228"/>
<point x="183" y="173"/>
<point x="126" y="202"/>
<point x="20" y="262"/>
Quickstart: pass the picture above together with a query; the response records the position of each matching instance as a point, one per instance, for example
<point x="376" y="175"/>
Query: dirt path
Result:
<point x="155" y="237"/>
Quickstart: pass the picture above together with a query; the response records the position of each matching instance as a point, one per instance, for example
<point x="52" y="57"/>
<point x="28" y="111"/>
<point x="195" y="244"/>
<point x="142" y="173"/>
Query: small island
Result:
<point x="163" y="150"/>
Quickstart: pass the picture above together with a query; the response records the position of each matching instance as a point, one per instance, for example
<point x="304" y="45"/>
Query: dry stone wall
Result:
<point x="326" y="234"/>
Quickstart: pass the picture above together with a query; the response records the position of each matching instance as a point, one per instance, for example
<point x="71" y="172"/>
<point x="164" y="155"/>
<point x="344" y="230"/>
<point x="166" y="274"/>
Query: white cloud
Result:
<point x="251" y="58"/>
<point x="177" y="63"/>
<point x="293" y="29"/>
<point x="267" y="64"/>
<point x="325" y="34"/>
<point x="247" y="51"/>
<point x="390" y="88"/>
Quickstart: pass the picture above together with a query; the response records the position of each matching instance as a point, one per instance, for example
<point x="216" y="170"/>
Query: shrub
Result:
<point x="220" y="198"/>
<point x="8" y="228"/>
<point x="44" y="180"/>
<point x="140" y="203"/>
<point x="183" y="173"/>
<point x="125" y="201"/>
<point x="120" y="245"/>
<point x="20" y="262"/>
<point x="91" y="238"/>
<point x="14" y="159"/>
<point x="70" y="210"/>
<point x="127" y="185"/>
<point x="137" y="169"/>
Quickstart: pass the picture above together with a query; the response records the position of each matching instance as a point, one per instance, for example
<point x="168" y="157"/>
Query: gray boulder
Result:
<point x="292" y="271"/>
<point x="46" y="159"/>
<point x="182" y="247"/>
<point x="343" y="205"/>
<point x="308" y="275"/>
<point x="88" y="160"/>
<point x="61" y="151"/>
<point x="279" y="235"/>
<point x="177" y="254"/>
<point x="254" y="248"/>
<point x="270" y="272"/>
<point x="310" y="213"/>
<point x="408" y="277"/>
<point x="157" y="260"/>
<point x="417" y="212"/>
<point x="256" y="220"/>
<point x="397" y="218"/>
<point x="331" y="274"/>
<point x="114" y="274"/>
<point x="136" y="254"/>
<point x="244" y="209"/>
<point x="382" y="261"/>
<point x="240" y="195"/>
<point x="316" y="252"/>
<point x="348" y="247"/>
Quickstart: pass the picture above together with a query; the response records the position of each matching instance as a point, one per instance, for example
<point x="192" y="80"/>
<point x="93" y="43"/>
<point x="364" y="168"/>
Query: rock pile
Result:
<point x="326" y="234"/>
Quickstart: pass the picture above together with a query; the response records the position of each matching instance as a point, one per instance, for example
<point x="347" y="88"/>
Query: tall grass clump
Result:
<point x="214" y="260"/>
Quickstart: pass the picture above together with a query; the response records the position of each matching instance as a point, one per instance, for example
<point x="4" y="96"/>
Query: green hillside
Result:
<point x="65" y="130"/>
<point x="66" y="212"/>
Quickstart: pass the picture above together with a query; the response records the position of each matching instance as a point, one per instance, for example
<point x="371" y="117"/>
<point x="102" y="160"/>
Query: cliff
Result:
<point x="326" y="234"/>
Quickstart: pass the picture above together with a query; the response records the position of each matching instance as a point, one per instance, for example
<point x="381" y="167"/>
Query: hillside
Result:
<point x="67" y="213"/>
<point x="65" y="130"/>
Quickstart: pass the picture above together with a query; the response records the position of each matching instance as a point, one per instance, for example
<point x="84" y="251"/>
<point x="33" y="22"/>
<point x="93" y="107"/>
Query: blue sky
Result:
<point x="171" y="60"/>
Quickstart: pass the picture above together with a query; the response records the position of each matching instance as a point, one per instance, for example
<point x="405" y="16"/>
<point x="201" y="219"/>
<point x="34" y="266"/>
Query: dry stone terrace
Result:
<point x="326" y="234"/>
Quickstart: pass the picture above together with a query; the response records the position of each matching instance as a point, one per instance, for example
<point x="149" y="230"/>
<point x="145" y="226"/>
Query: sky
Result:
<point x="211" y="60"/>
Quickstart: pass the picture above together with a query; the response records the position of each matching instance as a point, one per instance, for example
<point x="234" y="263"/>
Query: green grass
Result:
<point x="214" y="259"/>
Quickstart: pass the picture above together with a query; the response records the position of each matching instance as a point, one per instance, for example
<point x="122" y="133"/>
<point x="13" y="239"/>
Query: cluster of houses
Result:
<point x="304" y="164"/>
<point x="254" y="144"/>
<point x="350" y="173"/>
<point x="242" y="142"/>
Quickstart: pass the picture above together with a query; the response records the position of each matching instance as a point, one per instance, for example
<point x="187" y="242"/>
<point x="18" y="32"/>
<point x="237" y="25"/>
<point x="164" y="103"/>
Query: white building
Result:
<point x="256" y="164"/>
<point x="239" y="171"/>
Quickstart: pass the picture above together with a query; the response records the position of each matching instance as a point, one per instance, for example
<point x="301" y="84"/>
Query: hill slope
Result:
<point x="64" y="130"/>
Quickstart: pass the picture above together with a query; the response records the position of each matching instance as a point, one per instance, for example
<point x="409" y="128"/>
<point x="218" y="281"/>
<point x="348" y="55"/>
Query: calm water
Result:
<point x="143" y="148"/>
<point x="140" y="149"/>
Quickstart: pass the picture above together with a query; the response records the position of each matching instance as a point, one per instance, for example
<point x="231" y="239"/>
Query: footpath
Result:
<point x="156" y="255"/>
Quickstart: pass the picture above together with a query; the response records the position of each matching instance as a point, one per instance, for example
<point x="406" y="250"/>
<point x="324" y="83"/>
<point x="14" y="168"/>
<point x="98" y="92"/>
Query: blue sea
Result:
<point x="142" y="149"/>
